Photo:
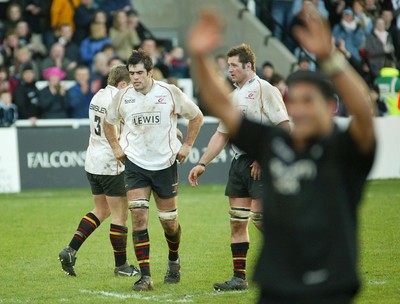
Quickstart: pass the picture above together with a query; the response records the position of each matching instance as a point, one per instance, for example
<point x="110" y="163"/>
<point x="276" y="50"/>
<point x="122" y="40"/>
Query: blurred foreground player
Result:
<point x="106" y="179"/>
<point x="313" y="178"/>
<point x="150" y="152"/>
<point x="260" y="102"/>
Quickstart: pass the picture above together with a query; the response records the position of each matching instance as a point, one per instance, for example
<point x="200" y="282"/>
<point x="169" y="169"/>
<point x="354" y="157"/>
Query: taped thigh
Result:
<point x="239" y="214"/>
<point x="138" y="203"/>
<point x="168" y="215"/>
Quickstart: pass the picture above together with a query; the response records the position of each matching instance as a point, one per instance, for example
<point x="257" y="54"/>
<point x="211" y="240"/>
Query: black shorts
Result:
<point x="163" y="182"/>
<point x="110" y="185"/>
<point x="240" y="183"/>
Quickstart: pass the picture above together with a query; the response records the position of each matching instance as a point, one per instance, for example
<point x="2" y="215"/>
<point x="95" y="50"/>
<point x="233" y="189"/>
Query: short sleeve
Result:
<point x="113" y="116"/>
<point x="274" y="105"/>
<point x="222" y="128"/>
<point x="184" y="106"/>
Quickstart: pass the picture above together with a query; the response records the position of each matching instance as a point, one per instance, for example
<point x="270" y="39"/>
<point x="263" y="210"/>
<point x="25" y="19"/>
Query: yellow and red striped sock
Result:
<point x="239" y="255"/>
<point x="141" y="242"/>
<point x="87" y="225"/>
<point x="118" y="238"/>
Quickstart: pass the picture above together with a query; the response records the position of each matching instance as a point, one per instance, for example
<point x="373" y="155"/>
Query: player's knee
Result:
<point x="138" y="203"/>
<point x="239" y="215"/>
<point x="169" y="220"/>
<point x="256" y="218"/>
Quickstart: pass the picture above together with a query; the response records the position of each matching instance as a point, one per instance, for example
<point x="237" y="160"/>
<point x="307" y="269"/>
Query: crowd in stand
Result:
<point x="71" y="46"/>
<point x="367" y="32"/>
<point x="80" y="40"/>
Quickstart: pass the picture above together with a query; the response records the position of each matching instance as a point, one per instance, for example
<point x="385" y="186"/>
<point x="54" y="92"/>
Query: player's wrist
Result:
<point x="201" y="164"/>
<point x="334" y="64"/>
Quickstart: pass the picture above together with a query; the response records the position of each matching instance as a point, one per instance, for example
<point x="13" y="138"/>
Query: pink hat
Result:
<point x="47" y="73"/>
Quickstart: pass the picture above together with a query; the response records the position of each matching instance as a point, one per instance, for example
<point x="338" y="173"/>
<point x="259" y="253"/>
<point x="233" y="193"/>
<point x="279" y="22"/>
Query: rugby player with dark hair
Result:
<point x="150" y="151"/>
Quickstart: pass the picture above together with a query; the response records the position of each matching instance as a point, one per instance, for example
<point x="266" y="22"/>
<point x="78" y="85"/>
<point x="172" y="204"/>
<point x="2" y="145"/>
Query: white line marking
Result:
<point x="376" y="282"/>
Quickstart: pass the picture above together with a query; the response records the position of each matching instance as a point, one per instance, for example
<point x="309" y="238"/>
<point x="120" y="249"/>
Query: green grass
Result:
<point x="36" y="225"/>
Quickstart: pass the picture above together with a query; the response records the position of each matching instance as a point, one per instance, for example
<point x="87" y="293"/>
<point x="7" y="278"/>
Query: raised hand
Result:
<point x="315" y="34"/>
<point x="205" y="35"/>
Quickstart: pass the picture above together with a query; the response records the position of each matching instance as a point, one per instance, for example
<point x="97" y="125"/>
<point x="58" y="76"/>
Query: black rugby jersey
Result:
<point x="310" y="211"/>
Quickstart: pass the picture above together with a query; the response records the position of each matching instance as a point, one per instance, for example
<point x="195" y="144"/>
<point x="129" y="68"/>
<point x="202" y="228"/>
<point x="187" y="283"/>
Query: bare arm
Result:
<point x="285" y="125"/>
<point x="315" y="37"/>
<point x="214" y="148"/>
<point x="192" y="132"/>
<point x="112" y="136"/>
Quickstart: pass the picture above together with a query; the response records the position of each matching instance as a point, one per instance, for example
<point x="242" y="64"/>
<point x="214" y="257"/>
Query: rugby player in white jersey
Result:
<point x="261" y="102"/>
<point x="150" y="151"/>
<point x="107" y="183"/>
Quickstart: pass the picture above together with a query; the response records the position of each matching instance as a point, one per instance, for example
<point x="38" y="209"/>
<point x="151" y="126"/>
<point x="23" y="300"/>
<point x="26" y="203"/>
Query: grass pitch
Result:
<point x="36" y="225"/>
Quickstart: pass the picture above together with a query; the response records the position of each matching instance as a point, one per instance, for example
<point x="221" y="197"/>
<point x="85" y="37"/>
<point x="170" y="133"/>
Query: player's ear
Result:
<point x="150" y="73"/>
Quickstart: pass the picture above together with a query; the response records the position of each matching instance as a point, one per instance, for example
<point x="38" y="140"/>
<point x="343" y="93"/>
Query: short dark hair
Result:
<point x="245" y="54"/>
<point x="318" y="79"/>
<point x="268" y="64"/>
<point x="276" y="78"/>
<point x="140" y="56"/>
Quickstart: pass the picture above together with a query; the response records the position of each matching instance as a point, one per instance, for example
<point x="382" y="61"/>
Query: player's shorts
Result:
<point x="110" y="185"/>
<point x="240" y="183"/>
<point x="163" y="182"/>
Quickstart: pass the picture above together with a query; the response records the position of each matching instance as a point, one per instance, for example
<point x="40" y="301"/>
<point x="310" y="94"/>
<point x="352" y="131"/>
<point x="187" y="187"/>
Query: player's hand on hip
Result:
<point x="205" y="35"/>
<point x="255" y="172"/>
<point x="315" y="33"/>
<point x="183" y="153"/>
<point x="119" y="155"/>
<point x="194" y="174"/>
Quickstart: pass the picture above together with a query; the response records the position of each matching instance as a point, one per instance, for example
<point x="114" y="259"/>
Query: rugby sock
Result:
<point x="118" y="238"/>
<point x="173" y="244"/>
<point x="141" y="242"/>
<point x="88" y="224"/>
<point x="239" y="253"/>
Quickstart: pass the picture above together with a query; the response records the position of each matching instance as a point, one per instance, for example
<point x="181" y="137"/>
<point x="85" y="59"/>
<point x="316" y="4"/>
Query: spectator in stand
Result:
<point x="178" y="64"/>
<point x="267" y="71"/>
<point x="109" y="51"/>
<point x="84" y="16"/>
<point x="62" y="12"/>
<point x="113" y="62"/>
<point x="57" y="58"/>
<point x="123" y="39"/>
<point x="80" y="94"/>
<point x="372" y="8"/>
<point x="361" y="17"/>
<point x="303" y="53"/>
<point x="282" y="14"/>
<point x="335" y="9"/>
<point x="150" y="46"/>
<point x="22" y="58"/>
<point x="134" y="24"/>
<point x="93" y="44"/>
<point x="304" y="63"/>
<point x="14" y="15"/>
<point x="100" y="72"/>
<point x="379" y="48"/>
<point x="4" y="79"/>
<point x="52" y="100"/>
<point x="351" y="33"/>
<point x="8" y="49"/>
<point x="26" y="95"/>
<point x="100" y="16"/>
<point x="111" y="7"/>
<point x="71" y="49"/>
<point x="392" y="29"/>
<point x="278" y="81"/>
<point x="8" y="110"/>
<point x="30" y="40"/>
<point x="33" y="13"/>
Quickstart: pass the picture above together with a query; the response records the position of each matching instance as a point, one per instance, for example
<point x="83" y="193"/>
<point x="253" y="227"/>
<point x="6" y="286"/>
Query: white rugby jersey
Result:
<point x="150" y="122"/>
<point x="260" y="102"/>
<point x="99" y="156"/>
